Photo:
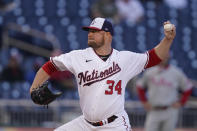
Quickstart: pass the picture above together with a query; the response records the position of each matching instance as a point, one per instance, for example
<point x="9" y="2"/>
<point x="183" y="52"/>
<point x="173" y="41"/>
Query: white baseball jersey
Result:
<point x="163" y="84"/>
<point x="101" y="84"/>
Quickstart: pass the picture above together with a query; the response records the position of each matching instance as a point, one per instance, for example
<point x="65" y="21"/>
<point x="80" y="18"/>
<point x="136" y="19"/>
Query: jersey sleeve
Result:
<point x="153" y="59"/>
<point x="63" y="62"/>
<point x="136" y="63"/>
<point x="184" y="83"/>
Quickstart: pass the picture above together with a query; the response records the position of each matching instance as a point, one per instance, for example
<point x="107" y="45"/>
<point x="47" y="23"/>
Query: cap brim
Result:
<point x="87" y="28"/>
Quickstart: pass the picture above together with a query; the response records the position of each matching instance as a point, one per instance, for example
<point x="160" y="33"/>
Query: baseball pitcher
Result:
<point x="102" y="73"/>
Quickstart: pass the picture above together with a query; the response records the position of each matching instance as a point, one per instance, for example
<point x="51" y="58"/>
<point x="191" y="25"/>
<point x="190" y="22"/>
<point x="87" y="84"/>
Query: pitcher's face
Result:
<point x="95" y="38"/>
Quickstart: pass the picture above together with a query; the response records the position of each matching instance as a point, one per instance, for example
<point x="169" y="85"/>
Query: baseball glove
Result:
<point x="42" y="95"/>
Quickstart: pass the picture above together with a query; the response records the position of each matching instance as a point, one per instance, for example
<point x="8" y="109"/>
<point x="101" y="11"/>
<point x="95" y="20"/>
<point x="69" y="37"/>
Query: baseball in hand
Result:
<point x="168" y="27"/>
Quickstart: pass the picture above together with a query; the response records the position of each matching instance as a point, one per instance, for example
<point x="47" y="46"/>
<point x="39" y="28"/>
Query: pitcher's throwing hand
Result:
<point x="169" y="30"/>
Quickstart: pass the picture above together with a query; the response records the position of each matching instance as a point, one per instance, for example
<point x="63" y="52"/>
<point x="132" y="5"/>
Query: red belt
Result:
<point x="100" y="123"/>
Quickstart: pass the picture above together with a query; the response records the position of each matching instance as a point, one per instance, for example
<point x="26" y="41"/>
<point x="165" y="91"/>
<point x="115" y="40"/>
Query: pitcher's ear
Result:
<point x="108" y="34"/>
<point x="108" y="37"/>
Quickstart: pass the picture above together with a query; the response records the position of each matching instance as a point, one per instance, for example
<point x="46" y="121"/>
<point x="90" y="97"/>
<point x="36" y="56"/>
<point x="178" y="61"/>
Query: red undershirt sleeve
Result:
<point x="49" y="68"/>
<point x="141" y="93"/>
<point x="185" y="96"/>
<point x="153" y="59"/>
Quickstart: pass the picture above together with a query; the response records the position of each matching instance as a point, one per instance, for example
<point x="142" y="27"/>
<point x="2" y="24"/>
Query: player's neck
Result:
<point x="103" y="51"/>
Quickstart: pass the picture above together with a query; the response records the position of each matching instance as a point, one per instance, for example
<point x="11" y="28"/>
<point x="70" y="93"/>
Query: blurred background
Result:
<point x="33" y="30"/>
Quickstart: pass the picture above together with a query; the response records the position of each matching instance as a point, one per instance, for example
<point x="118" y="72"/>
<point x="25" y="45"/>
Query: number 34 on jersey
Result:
<point x="113" y="87"/>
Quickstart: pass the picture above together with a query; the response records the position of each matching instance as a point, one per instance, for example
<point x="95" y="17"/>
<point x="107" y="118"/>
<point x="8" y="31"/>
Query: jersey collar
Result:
<point x="100" y="57"/>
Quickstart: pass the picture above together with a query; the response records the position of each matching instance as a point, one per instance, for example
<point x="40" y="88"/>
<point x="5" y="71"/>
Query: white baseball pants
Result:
<point x="161" y="120"/>
<point x="80" y="124"/>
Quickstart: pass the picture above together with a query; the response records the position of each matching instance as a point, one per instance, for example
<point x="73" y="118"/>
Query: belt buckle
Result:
<point x="103" y="122"/>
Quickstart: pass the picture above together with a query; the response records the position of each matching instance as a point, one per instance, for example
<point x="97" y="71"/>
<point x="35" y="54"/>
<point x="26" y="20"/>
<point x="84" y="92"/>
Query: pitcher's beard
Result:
<point x="92" y="44"/>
